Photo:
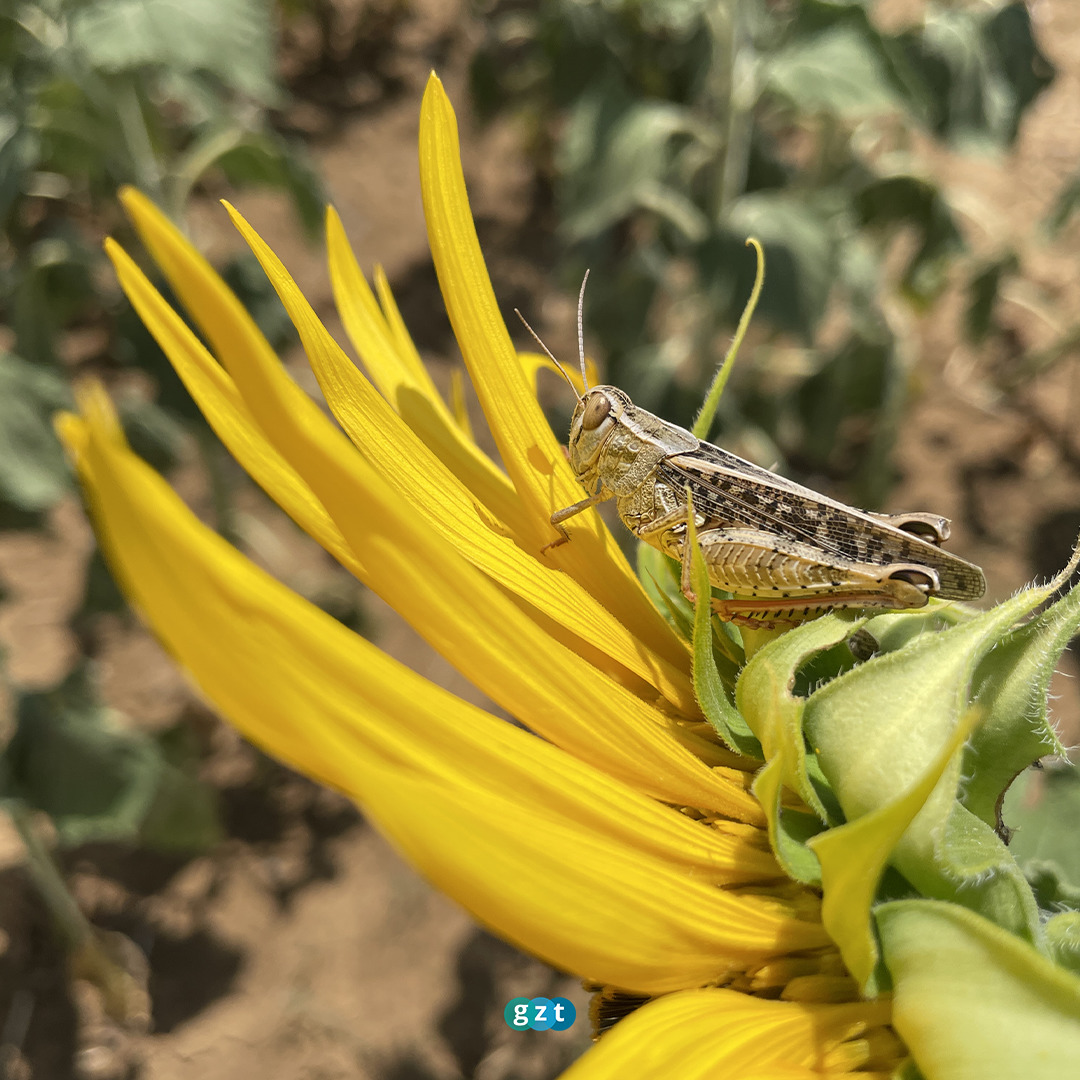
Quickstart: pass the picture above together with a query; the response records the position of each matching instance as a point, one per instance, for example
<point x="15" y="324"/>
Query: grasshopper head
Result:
<point x="597" y="415"/>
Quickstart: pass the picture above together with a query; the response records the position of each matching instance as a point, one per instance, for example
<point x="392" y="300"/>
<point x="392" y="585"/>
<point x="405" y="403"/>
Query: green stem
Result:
<point x="195" y="162"/>
<point x="93" y="955"/>
<point x="73" y="925"/>
<point x="739" y="94"/>
<point x="137" y="139"/>
<point x="704" y="421"/>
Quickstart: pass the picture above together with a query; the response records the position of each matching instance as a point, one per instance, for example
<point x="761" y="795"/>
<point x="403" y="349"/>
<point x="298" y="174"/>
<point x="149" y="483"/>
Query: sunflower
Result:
<point x="747" y="907"/>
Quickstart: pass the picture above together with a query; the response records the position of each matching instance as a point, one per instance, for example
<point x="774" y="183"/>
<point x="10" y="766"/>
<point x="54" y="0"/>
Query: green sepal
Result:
<point x="1012" y="684"/>
<point x="764" y="697"/>
<point x="1063" y="940"/>
<point x="972" y="1001"/>
<point x="774" y="713"/>
<point x="709" y="686"/>
<point x="879" y="728"/>
<point x="1052" y="891"/>
<point x="789" y="830"/>
<point x="854" y="856"/>
<point x="1043" y="809"/>
<point x="654" y="570"/>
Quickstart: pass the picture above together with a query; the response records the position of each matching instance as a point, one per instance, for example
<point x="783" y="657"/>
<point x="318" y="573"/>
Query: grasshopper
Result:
<point x="785" y="552"/>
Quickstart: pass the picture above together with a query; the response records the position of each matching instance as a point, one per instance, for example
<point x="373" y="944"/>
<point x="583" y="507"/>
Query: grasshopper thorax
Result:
<point x="597" y="415"/>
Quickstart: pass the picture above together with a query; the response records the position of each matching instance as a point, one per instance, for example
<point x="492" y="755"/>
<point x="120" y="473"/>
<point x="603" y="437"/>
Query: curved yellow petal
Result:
<point x="533" y="363"/>
<point x="412" y="394"/>
<point x="536" y="844"/>
<point x="187" y="579"/>
<point x="458" y="405"/>
<point x="276" y="402"/>
<point x="442" y="503"/>
<point x="575" y="899"/>
<point x="392" y="368"/>
<point x="706" y="1034"/>
<point x="529" y="450"/>
<point x="460" y="611"/>
<point x="219" y="401"/>
<point x="406" y="347"/>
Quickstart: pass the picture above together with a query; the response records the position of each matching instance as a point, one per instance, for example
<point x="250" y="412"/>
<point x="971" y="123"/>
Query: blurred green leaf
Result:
<point x="1043" y="813"/>
<point x="98" y="780"/>
<point x="836" y="71"/>
<point x="851" y="383"/>
<point x="983" y="292"/>
<point x="152" y="433"/>
<point x="910" y="200"/>
<point x="1065" y="205"/>
<point x="52" y="284"/>
<point x="617" y="157"/>
<point x="982" y="68"/>
<point x="100" y="592"/>
<point x="801" y="233"/>
<point x="1025" y="69"/>
<point x="18" y="154"/>
<point x="231" y="40"/>
<point x="33" y="472"/>
<point x="266" y="159"/>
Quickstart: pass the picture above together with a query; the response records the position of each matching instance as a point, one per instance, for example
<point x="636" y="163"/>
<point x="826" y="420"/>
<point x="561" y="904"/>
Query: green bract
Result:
<point x="883" y="781"/>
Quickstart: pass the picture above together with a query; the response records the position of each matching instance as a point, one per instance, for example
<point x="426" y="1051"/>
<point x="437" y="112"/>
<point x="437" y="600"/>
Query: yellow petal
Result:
<point x="339" y="478"/>
<point x="308" y="440"/>
<point x="460" y="611"/>
<point x="529" y="450"/>
<point x="219" y="401"/>
<point x="575" y="899"/>
<point x="413" y="395"/>
<point x="458" y="405"/>
<point x="551" y="689"/>
<point x="536" y="844"/>
<point x="708" y="1034"/>
<point x="440" y="501"/>
<point x="406" y="347"/>
<point x="391" y="367"/>
<point x="533" y="363"/>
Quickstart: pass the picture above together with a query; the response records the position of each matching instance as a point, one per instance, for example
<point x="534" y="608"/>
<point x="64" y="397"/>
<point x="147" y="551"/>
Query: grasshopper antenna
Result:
<point x="550" y="354"/>
<point x="581" y="330"/>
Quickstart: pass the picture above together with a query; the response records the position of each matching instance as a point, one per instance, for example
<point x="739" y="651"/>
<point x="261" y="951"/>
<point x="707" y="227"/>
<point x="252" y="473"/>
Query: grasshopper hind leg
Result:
<point x="776" y="580"/>
<point x="933" y="528"/>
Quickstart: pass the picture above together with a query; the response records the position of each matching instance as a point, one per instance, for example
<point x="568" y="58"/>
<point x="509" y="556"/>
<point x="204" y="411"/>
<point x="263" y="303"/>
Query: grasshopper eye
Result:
<point x="597" y="410"/>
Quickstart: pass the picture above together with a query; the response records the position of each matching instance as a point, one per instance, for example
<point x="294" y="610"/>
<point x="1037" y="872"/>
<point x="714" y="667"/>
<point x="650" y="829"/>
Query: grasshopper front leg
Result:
<point x="567" y="512"/>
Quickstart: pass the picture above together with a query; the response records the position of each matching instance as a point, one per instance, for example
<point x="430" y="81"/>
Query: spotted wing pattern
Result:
<point x="730" y="491"/>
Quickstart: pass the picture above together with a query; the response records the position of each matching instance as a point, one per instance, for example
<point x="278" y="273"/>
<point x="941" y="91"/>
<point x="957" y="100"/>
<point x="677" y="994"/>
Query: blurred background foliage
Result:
<point x="95" y="94"/>
<point x="663" y="132"/>
<point x="668" y="132"/>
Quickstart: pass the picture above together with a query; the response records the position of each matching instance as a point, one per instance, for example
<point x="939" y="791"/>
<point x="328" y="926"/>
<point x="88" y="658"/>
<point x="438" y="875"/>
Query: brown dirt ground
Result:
<point x="303" y="947"/>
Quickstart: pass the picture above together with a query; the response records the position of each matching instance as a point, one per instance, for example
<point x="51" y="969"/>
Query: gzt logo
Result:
<point x="539" y="1014"/>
